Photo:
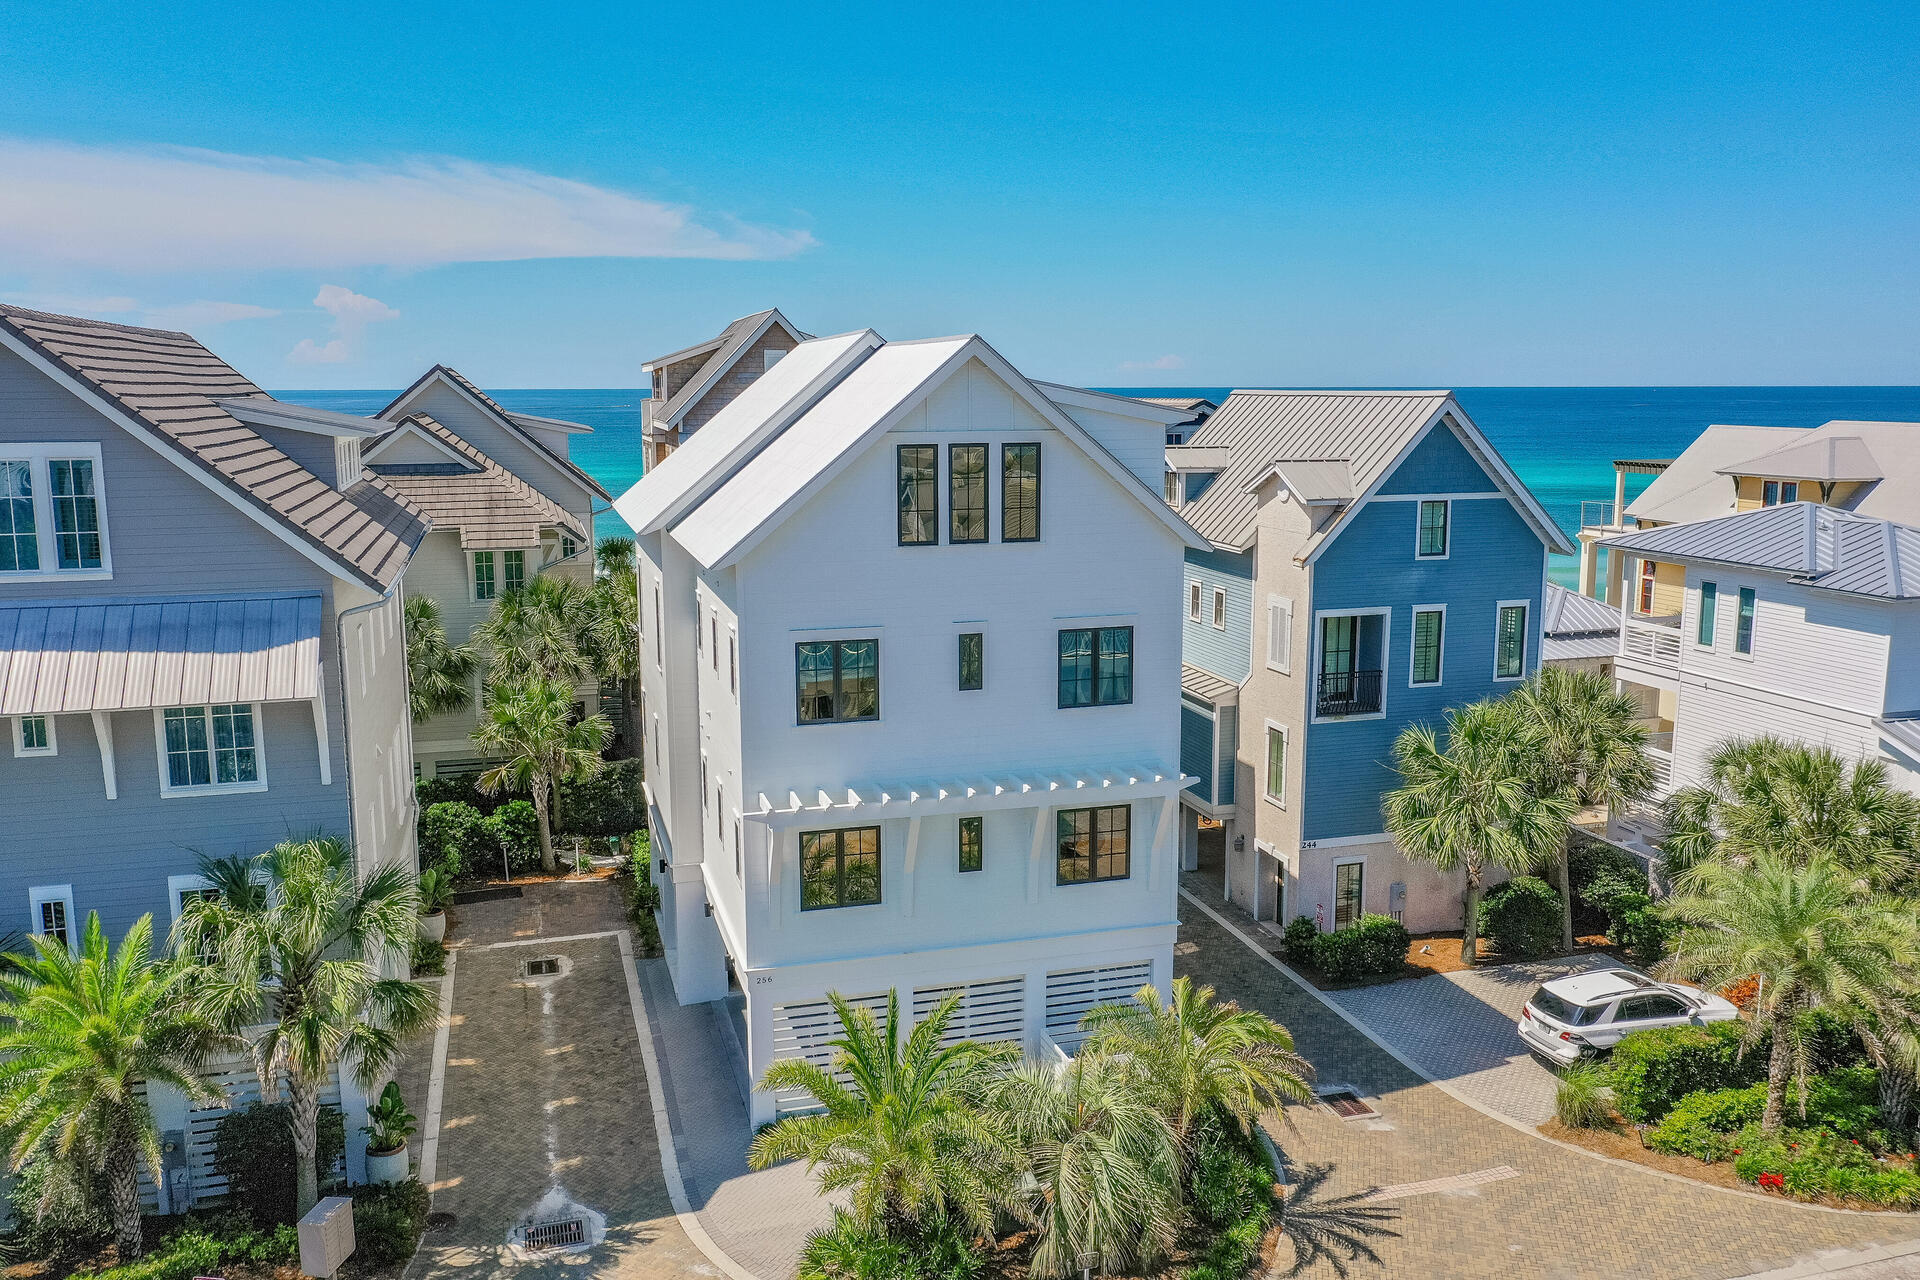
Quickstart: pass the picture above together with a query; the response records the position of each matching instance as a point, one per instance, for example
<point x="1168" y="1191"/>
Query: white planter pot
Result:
<point x="434" y="926"/>
<point x="383" y="1170"/>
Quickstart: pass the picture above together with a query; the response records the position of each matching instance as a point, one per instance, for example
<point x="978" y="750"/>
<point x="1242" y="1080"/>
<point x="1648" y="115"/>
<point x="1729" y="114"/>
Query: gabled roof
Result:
<point x="1817" y="546"/>
<point x="1317" y="482"/>
<point x="1370" y="431"/>
<point x="864" y="403"/>
<point x="487" y="404"/>
<point x="1831" y="459"/>
<point x="163" y="387"/>
<point x="724" y="350"/>
<point x="1692" y="488"/>
<point x="1190" y="404"/>
<point x="1130" y="406"/>
<point x="492" y="507"/>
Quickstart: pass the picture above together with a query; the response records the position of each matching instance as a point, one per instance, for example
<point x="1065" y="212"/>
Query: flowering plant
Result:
<point x="1772" y="1182"/>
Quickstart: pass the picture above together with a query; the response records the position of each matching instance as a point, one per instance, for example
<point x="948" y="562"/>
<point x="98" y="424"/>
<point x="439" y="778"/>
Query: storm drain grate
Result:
<point x="1347" y="1104"/>
<point x="545" y="966"/>
<point x="556" y="1235"/>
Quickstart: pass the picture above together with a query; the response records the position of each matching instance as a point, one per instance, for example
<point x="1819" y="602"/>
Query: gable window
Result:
<point x="51" y="520"/>
<point x="967" y="492"/>
<point x="1709" y="607"/>
<point x="1277" y="764"/>
<point x="1429" y="634"/>
<point x="771" y="357"/>
<point x="33" y="736"/>
<point x="1280" y="633"/>
<point x="919" y="495"/>
<point x="973" y="842"/>
<point x="484" y="587"/>
<point x="973" y="660"/>
<point x="1173" y="489"/>
<point x="1743" y="623"/>
<point x="839" y="868"/>
<point x="1219" y="609"/>
<point x="1433" y="529"/>
<point x="513" y="567"/>
<point x="1094" y="844"/>
<point x="211" y="748"/>
<point x="1193" y="601"/>
<point x="1510" y="641"/>
<point x="1096" y="667"/>
<point x="52" y="912"/>
<point x="1020" y="493"/>
<point x="567" y="546"/>
<point x="838" y="680"/>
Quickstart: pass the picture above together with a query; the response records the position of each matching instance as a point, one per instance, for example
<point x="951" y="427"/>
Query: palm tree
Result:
<point x="1589" y="742"/>
<point x="1766" y="795"/>
<point x="533" y="632"/>
<point x="899" y="1127"/>
<point x="611" y="633"/>
<point x="78" y="1032"/>
<point x="1101" y="1163"/>
<point x="1474" y="802"/>
<point x="439" y="674"/>
<point x="1805" y="930"/>
<point x="1202" y="1054"/>
<point x="1893" y="1046"/>
<point x="531" y="724"/>
<point x="295" y="967"/>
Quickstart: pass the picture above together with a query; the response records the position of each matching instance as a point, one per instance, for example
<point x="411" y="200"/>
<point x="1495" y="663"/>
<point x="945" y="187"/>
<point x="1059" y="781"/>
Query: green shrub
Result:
<point x="1299" y="935"/>
<point x="184" y="1256"/>
<point x="387" y="1221"/>
<point x="253" y="1151"/>
<point x="845" y="1251"/>
<point x="1652" y="1070"/>
<point x="1810" y="1164"/>
<point x="515" y="829"/>
<point x="1235" y="1249"/>
<point x="1375" y="946"/>
<point x="458" y="839"/>
<point x="1581" y="1099"/>
<point x="53" y="1214"/>
<point x="643" y="895"/>
<point x="1639" y="929"/>
<point x="610" y="803"/>
<point x="429" y="957"/>
<point x="1600" y="872"/>
<point x="1230" y="1178"/>
<point x="1522" y="917"/>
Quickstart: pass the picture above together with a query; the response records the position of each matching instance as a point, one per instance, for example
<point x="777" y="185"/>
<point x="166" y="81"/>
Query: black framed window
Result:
<point x="1510" y="643"/>
<point x="967" y="493"/>
<point x="1433" y="528"/>
<point x="1020" y="493"/>
<point x="1096" y="667"/>
<point x="837" y="680"/>
<point x="919" y="495"/>
<point x="839" y="868"/>
<point x="973" y="660"/>
<point x="1429" y="631"/>
<point x="1094" y="844"/>
<point x="973" y="843"/>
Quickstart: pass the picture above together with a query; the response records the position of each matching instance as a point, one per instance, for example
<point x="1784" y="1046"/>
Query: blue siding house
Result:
<point x="1375" y="562"/>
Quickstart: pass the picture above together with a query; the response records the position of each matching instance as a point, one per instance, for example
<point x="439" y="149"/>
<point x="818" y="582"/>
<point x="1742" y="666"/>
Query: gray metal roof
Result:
<point x="1831" y="458"/>
<point x="169" y="384"/>
<point x="1318" y="482"/>
<point x="1574" y="626"/>
<point x="1820" y="546"/>
<point x="174" y="652"/>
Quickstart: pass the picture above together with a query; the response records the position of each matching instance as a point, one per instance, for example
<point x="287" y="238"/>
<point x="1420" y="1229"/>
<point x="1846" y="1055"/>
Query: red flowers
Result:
<point x="1773" y="1182"/>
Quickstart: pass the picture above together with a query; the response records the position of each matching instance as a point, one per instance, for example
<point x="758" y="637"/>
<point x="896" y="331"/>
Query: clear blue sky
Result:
<point x="336" y="195"/>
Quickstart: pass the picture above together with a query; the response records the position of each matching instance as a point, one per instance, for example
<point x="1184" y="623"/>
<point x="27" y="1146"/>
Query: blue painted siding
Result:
<point x="1226" y="653"/>
<point x="1439" y="464"/>
<point x="1196" y="750"/>
<point x="1495" y="556"/>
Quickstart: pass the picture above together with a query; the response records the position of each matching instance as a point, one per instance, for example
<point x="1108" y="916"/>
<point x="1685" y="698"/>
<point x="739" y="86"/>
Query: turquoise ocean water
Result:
<point x="1561" y="441"/>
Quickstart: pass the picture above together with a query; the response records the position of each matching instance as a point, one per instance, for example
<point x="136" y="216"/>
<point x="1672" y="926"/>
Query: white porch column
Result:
<point x="103" y="734"/>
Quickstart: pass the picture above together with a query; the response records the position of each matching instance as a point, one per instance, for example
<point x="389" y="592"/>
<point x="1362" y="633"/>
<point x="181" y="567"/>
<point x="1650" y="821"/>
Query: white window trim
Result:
<point x="169" y="791"/>
<point x="1498" y="607"/>
<point x="1420" y="502"/>
<point x="1386" y="658"/>
<point x="62" y="893"/>
<point x="1733" y="640"/>
<point x="177" y="885"/>
<point x="1699" y="607"/>
<point x="1413" y="639"/>
<point x="1333" y="890"/>
<point x="1285" y="605"/>
<point x="1219" y="608"/>
<point x="37" y="456"/>
<point x="473" y="584"/>
<point x="1286" y="763"/>
<point x="20" y="747"/>
<point x="1193" y="600"/>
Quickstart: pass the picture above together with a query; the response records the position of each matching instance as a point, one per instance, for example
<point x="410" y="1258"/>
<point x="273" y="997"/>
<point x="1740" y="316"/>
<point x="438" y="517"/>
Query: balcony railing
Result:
<point x="1348" y="693"/>
<point x="1651" y="642"/>
<point x="1599" y="514"/>
<point x="1660" y="751"/>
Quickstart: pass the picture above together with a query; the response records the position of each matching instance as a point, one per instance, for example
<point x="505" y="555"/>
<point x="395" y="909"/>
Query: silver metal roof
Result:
<point x="1821" y="546"/>
<point x="129" y="655"/>
<point x="1206" y="686"/>
<point x="1834" y="458"/>
<point x="1568" y="613"/>
<point x="1318" y="482"/>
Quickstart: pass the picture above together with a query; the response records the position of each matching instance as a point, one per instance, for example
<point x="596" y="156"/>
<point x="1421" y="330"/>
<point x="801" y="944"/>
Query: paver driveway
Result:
<point x="1564" y="1215"/>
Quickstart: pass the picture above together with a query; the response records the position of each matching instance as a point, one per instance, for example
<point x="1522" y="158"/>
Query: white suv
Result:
<point x="1587" y="1013"/>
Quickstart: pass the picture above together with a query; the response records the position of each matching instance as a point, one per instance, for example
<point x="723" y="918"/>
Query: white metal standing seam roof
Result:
<point x="1699" y="485"/>
<point x="1577" y="626"/>
<point x="1823" y="547"/>
<point x="793" y="460"/>
<point x="1832" y="459"/>
<point x="158" y="653"/>
<point x="663" y="494"/>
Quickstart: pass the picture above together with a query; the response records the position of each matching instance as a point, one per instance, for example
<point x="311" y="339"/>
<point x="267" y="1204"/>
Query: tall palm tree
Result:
<point x="1767" y="795"/>
<point x="1589" y="742"/>
<point x="530" y="723"/>
<point x="1475" y="802"/>
<point x="1201" y="1054"/>
<point x="1805" y="930"/>
<point x="899" y="1127"/>
<point x="296" y="968"/>
<point x="1102" y="1159"/>
<point x="1893" y="1046"/>
<point x="611" y="633"/>
<point x="78" y="1031"/>
<point x="439" y="673"/>
<point x="533" y="632"/>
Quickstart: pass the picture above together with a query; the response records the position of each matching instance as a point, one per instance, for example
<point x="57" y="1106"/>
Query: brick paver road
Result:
<point x="1564" y="1216"/>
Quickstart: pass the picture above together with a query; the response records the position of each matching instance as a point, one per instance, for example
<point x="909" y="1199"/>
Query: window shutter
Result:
<point x="1280" y="633"/>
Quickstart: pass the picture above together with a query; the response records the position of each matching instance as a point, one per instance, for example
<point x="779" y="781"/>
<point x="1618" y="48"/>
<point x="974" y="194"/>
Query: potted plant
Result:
<point x="389" y="1125"/>
<point x="436" y="891"/>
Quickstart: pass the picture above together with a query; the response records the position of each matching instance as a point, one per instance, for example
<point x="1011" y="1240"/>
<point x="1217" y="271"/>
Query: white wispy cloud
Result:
<point x="202" y="313"/>
<point x="352" y="313"/>
<point x="168" y="209"/>
<point x="1157" y="364"/>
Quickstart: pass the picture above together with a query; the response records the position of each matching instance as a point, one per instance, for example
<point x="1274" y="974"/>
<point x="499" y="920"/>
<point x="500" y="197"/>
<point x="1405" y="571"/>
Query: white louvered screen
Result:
<point x="806" y="1030"/>
<point x="237" y="1080"/>
<point x="988" y="1011"/>
<point x="1071" y="992"/>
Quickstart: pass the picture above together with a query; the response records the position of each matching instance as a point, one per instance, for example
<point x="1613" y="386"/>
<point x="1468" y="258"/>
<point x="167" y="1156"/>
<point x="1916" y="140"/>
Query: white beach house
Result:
<point x="912" y="694"/>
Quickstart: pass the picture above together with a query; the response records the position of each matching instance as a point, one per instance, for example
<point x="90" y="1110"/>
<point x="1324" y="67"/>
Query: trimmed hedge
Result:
<point x="1373" y="947"/>
<point x="1522" y="917"/>
<point x="387" y="1221"/>
<point x="1703" y="1125"/>
<point x="1299" y="935"/>
<point x="1600" y="872"/>
<point x="1651" y="1071"/>
<point x="459" y="839"/>
<point x="610" y="803"/>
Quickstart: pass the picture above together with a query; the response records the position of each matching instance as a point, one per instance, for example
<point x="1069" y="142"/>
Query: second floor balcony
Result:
<point x="1348" y="693"/>
<point x="1653" y="641"/>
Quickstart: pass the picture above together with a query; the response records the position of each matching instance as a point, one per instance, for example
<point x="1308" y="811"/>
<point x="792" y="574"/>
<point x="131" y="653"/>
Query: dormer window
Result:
<point x="1775" y="492"/>
<point x="51" y="521"/>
